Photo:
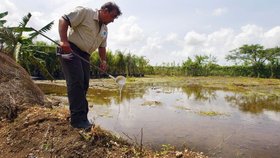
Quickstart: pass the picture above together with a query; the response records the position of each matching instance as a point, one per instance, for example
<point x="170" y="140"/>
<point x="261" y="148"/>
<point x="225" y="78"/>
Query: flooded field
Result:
<point x="217" y="121"/>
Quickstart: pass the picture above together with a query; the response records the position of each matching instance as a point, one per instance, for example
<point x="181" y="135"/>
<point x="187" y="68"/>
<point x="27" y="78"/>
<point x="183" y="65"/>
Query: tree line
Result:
<point x="40" y="60"/>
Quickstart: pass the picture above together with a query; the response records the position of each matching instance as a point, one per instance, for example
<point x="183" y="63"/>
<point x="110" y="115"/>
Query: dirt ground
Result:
<point x="45" y="132"/>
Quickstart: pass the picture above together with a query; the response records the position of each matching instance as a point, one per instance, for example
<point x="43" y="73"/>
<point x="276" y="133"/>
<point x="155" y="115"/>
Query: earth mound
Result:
<point x="17" y="90"/>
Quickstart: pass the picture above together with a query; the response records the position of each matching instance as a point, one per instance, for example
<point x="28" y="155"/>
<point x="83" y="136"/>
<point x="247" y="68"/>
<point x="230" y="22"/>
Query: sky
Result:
<point x="168" y="31"/>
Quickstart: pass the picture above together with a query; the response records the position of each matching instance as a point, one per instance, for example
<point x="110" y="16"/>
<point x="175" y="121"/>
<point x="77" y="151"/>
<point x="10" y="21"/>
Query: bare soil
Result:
<point x="45" y="132"/>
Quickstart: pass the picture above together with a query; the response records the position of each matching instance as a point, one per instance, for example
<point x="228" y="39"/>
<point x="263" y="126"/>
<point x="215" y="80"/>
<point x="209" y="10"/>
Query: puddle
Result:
<point x="218" y="123"/>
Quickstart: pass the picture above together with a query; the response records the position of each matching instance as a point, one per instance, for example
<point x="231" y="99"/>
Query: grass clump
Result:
<point x="210" y="113"/>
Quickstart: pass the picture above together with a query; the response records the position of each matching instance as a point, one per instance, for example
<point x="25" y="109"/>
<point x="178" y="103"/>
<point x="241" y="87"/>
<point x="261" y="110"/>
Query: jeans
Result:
<point x="77" y="74"/>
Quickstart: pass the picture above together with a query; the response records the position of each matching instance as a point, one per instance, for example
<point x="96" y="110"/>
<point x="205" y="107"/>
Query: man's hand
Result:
<point x="103" y="65"/>
<point x="102" y="57"/>
<point x="65" y="46"/>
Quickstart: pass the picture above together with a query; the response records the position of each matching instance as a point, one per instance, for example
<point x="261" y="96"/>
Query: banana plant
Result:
<point x="2" y="21"/>
<point x="20" y="47"/>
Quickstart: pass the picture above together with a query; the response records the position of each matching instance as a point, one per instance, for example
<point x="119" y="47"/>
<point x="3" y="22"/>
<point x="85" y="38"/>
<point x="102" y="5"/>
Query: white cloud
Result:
<point x="14" y="14"/>
<point x="159" y="49"/>
<point x="154" y="43"/>
<point x="171" y="37"/>
<point x="272" y="37"/>
<point x="162" y="49"/>
<point x="220" y="42"/>
<point x="7" y="5"/>
<point x="152" y="48"/>
<point x="221" y="37"/>
<point x="129" y="33"/>
<point x="193" y="38"/>
<point x="219" y="11"/>
<point x="250" y="34"/>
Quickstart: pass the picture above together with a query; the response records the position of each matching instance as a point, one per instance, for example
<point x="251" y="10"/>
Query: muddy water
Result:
<point x="218" y="123"/>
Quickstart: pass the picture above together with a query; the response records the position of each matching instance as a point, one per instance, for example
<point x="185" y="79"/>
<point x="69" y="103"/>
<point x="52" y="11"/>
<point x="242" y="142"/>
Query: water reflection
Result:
<point x="199" y="93"/>
<point x="245" y="102"/>
<point x="110" y="96"/>
<point x="50" y="89"/>
<point x="254" y="103"/>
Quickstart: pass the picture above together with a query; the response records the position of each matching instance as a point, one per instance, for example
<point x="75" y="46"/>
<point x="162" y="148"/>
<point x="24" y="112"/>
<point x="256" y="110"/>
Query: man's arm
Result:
<point x="62" y="29"/>
<point x="102" y="56"/>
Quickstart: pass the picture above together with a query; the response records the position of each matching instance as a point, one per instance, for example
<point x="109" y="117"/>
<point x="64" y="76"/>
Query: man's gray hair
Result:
<point x="110" y="6"/>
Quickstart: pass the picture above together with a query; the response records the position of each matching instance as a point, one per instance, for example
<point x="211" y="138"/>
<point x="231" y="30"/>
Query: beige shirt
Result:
<point x="85" y="30"/>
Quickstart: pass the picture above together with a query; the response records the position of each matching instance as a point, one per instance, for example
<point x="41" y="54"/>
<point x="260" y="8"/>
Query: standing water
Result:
<point x="216" y="122"/>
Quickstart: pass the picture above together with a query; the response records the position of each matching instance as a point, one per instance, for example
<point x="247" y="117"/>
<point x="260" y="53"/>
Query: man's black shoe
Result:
<point x="85" y="124"/>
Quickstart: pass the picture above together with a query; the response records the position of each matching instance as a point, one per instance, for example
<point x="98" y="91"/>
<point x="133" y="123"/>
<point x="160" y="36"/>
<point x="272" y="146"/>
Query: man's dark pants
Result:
<point x="77" y="74"/>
